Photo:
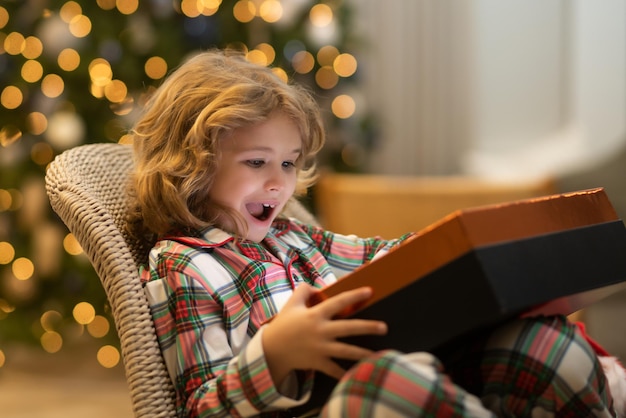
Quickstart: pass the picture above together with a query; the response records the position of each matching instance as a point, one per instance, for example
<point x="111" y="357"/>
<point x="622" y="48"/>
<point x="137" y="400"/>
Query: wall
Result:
<point x="497" y="88"/>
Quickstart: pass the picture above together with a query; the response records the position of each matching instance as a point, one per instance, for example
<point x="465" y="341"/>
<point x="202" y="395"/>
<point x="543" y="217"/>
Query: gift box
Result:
<point x="480" y="267"/>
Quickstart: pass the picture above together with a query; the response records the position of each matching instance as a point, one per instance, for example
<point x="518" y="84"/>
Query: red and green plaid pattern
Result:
<point x="211" y="294"/>
<point x="539" y="367"/>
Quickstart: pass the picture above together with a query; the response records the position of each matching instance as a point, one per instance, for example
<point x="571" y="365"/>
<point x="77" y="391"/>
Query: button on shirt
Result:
<point x="210" y="296"/>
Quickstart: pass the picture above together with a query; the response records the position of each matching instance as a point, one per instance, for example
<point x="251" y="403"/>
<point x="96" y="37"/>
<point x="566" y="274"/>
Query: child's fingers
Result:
<point x="339" y="328"/>
<point x="332" y="306"/>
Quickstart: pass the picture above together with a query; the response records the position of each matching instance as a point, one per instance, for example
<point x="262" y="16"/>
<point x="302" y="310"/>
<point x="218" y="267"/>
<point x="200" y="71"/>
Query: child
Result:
<point x="222" y="146"/>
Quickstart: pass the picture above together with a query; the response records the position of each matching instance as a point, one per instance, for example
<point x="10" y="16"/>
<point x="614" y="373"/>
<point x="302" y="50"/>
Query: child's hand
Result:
<point x="303" y="337"/>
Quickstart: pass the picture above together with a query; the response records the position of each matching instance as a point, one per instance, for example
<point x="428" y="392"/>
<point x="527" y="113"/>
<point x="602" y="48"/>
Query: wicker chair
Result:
<point x="86" y="188"/>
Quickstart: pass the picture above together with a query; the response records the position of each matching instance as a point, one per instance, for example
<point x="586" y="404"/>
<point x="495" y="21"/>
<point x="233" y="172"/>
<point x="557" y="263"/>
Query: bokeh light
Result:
<point x="69" y="59"/>
<point x="345" y="65"/>
<point x="84" y="313"/>
<point x="36" y="122"/>
<point x="7" y="252"/>
<point x="99" y="327"/>
<point x="32" y="71"/>
<point x="321" y="15"/>
<point x="51" y="341"/>
<point x="59" y="73"/>
<point x="343" y="106"/>
<point x="127" y="7"/>
<point x="52" y="85"/>
<point x="326" y="77"/>
<point x="32" y="48"/>
<point x="155" y="68"/>
<point x="303" y="62"/>
<point x="11" y="97"/>
<point x="244" y="11"/>
<point x="71" y="245"/>
<point x="108" y="356"/>
<point x="14" y="43"/>
<point x="23" y="268"/>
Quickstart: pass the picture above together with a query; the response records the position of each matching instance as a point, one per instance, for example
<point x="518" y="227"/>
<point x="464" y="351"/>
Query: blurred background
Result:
<point x="505" y="90"/>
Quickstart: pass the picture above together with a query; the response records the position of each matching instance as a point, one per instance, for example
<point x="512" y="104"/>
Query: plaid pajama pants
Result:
<point x="539" y="367"/>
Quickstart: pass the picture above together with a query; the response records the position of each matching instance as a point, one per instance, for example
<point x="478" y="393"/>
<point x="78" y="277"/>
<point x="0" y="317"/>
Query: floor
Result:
<point x="68" y="384"/>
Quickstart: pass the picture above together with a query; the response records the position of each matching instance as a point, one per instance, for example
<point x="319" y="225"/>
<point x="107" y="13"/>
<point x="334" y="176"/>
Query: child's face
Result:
<point x="256" y="173"/>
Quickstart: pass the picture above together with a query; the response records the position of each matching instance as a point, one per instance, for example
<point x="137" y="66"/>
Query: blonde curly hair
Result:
<point x="175" y="140"/>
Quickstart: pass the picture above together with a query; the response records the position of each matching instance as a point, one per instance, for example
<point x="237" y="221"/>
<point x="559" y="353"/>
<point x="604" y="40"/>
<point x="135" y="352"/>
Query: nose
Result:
<point x="276" y="179"/>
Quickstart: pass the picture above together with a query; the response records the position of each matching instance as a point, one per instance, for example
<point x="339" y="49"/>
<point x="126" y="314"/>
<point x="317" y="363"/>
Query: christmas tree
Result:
<point x="78" y="72"/>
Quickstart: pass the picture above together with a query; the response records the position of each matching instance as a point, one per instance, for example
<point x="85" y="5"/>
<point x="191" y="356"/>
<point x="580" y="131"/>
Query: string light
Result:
<point x="155" y="68"/>
<point x="51" y="63"/>
<point x="343" y="106"/>
<point x="71" y="245"/>
<point x="84" y="313"/>
<point x="7" y="252"/>
<point x="108" y="356"/>
<point x="11" y="97"/>
<point x="23" y="268"/>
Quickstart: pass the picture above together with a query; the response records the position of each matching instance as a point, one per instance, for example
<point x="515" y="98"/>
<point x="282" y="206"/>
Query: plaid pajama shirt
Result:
<point x="211" y="294"/>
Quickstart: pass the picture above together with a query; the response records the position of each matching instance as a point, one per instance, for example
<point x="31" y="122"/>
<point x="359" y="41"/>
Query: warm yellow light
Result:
<point x="41" y="153"/>
<point x="343" y="106"/>
<point x="271" y="11"/>
<point x="14" y="43"/>
<point x="71" y="245"/>
<point x="155" y="68"/>
<point x="326" y="77"/>
<point x="209" y="7"/>
<point x="23" y="268"/>
<point x="11" y="97"/>
<point x="6" y="307"/>
<point x="4" y="17"/>
<point x="69" y="11"/>
<point x="7" y="252"/>
<point x="127" y="7"/>
<point x="124" y="107"/>
<point x="116" y="91"/>
<point x="68" y="59"/>
<point x="345" y="65"/>
<point x="106" y="4"/>
<point x="32" y="48"/>
<point x="257" y="57"/>
<point x="9" y="134"/>
<point x="2" y="358"/>
<point x="100" y="72"/>
<point x="108" y="356"/>
<point x="99" y="327"/>
<point x="303" y="62"/>
<point x="244" y="11"/>
<point x="327" y="54"/>
<point x="32" y="71"/>
<point x="51" y="341"/>
<point x="84" y="313"/>
<point x="280" y="73"/>
<point x="37" y="123"/>
<point x="80" y="26"/>
<point x="321" y="15"/>
<point x="190" y="8"/>
<point x="52" y="85"/>
<point x="268" y="50"/>
<point x="50" y="320"/>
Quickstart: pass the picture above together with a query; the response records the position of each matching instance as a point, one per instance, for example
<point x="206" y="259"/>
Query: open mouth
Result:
<point x="261" y="211"/>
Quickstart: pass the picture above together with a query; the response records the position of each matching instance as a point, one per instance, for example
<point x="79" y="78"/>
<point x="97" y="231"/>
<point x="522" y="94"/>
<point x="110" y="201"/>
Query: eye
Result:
<point x="289" y="164"/>
<point x="255" y="163"/>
